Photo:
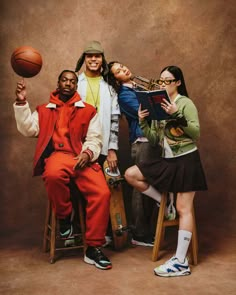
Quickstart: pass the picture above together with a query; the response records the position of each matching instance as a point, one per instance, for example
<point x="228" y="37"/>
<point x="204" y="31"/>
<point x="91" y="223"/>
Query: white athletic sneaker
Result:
<point x="173" y="268"/>
<point x="142" y="241"/>
<point x="108" y="241"/>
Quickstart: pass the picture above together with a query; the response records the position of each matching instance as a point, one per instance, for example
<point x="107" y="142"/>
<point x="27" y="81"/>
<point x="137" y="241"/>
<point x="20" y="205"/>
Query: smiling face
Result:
<point x="93" y="63"/>
<point x="67" y="84"/>
<point x="121" y="73"/>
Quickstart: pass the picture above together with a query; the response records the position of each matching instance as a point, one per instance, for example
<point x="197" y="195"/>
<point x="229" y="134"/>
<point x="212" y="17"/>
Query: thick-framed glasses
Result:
<point x="166" y="82"/>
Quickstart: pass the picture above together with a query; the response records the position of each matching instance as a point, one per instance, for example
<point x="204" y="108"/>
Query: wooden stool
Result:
<point x="52" y="241"/>
<point x="162" y="223"/>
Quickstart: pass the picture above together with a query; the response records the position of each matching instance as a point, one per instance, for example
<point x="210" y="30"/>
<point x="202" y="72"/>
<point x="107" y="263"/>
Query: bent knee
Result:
<point x="55" y="176"/>
<point x="131" y="173"/>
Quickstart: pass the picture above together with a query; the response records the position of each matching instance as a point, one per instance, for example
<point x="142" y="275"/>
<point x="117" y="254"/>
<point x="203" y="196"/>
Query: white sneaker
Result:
<point x="142" y="241"/>
<point x="108" y="241"/>
<point x="173" y="268"/>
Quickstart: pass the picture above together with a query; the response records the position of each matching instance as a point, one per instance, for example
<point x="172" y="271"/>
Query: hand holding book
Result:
<point x="169" y="107"/>
<point x="153" y="102"/>
<point x="142" y="114"/>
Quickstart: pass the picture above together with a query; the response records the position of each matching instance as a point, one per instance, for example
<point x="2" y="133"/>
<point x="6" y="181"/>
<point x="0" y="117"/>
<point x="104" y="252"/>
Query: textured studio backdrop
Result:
<point x="197" y="35"/>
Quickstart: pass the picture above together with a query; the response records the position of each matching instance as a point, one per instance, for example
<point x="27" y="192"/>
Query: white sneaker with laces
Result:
<point x="173" y="268"/>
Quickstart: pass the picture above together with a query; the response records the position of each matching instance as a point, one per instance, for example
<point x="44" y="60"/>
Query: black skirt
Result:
<point x="180" y="174"/>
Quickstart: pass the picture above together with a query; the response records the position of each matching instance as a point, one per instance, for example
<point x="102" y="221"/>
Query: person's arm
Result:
<point x="151" y="133"/>
<point x="114" y="129"/>
<point x="27" y="122"/>
<point x="129" y="104"/>
<point x="114" y="133"/>
<point x="93" y="142"/>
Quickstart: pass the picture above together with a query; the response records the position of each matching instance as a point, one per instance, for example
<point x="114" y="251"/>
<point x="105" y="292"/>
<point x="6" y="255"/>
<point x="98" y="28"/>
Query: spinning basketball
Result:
<point x="26" y="61"/>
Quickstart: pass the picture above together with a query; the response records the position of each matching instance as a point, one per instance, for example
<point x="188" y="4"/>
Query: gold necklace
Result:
<point x="95" y="101"/>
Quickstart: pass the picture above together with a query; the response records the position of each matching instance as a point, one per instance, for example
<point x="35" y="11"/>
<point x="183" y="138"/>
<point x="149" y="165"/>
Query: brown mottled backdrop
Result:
<point x="198" y="35"/>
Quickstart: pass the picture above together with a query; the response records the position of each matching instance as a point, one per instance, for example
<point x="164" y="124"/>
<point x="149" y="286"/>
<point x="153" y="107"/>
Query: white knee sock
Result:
<point x="153" y="193"/>
<point x="184" y="238"/>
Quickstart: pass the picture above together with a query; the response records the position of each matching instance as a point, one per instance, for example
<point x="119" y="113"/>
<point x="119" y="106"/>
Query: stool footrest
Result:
<point x="171" y="222"/>
<point x="52" y="239"/>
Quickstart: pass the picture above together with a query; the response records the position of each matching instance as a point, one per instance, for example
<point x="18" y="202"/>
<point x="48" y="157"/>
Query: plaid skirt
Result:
<point x="180" y="174"/>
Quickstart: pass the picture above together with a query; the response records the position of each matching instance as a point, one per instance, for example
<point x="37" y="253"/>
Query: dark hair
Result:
<point x="65" y="71"/>
<point x="178" y="74"/>
<point x="111" y="80"/>
<point x="105" y="69"/>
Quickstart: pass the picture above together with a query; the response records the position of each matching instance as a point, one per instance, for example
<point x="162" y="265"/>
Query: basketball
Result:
<point x="26" y="61"/>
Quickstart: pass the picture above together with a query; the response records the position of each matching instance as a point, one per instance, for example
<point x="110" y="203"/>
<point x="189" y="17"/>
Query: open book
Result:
<point x="151" y="100"/>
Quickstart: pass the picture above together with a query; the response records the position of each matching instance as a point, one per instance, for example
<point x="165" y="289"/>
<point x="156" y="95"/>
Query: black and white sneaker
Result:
<point x="66" y="226"/>
<point x="94" y="255"/>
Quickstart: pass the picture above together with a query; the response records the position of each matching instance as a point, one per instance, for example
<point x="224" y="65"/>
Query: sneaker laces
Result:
<point x="170" y="263"/>
<point x="173" y="261"/>
<point x="100" y="255"/>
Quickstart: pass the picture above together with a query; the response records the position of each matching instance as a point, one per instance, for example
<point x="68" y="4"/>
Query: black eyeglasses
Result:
<point x="166" y="82"/>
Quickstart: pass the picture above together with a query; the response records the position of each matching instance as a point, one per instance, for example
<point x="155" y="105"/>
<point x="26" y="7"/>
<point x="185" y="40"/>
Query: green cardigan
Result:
<point x="181" y="131"/>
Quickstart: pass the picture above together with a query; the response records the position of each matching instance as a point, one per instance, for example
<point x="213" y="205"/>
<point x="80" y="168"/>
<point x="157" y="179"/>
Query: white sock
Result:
<point x="153" y="193"/>
<point x="184" y="238"/>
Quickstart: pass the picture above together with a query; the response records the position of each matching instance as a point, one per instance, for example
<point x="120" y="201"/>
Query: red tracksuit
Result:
<point x="62" y="132"/>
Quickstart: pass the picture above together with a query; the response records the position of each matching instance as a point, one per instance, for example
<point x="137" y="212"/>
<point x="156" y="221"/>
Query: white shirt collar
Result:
<point x="76" y="104"/>
<point x="130" y="85"/>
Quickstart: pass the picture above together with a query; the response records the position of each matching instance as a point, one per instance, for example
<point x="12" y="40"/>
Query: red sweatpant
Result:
<point x="57" y="175"/>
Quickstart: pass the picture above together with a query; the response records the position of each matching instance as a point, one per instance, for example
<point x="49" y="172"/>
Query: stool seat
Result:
<point x="162" y="223"/>
<point x="52" y="241"/>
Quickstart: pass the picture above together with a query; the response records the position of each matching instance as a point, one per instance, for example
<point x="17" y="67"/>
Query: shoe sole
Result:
<point x="137" y="243"/>
<point x="173" y="274"/>
<point x="92" y="262"/>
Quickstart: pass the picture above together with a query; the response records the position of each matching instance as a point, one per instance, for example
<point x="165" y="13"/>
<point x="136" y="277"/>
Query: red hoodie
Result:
<point x="61" y="135"/>
<point x="63" y="126"/>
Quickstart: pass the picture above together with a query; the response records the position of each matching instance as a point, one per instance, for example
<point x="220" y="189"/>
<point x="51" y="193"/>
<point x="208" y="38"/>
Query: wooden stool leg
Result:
<point x="194" y="241"/>
<point x="46" y="228"/>
<point x="52" y="240"/>
<point x="162" y="236"/>
<point x="53" y="236"/>
<point x="159" y="228"/>
<point x="82" y="221"/>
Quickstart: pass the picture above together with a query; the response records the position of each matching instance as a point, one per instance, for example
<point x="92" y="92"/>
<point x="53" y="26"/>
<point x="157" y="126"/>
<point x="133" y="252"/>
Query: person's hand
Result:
<point x="112" y="160"/>
<point x="142" y="114"/>
<point x="21" y="91"/>
<point x="169" y="108"/>
<point x="82" y="161"/>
